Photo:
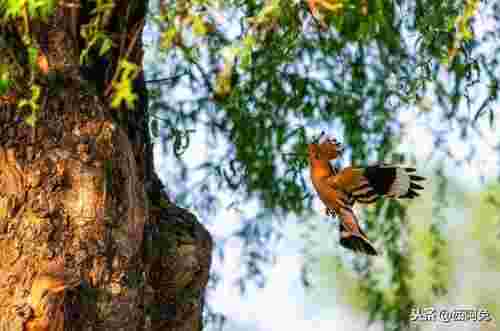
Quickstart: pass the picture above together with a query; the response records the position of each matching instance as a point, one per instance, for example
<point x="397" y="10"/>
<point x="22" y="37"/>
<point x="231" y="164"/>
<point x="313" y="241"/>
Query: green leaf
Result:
<point x="155" y="128"/>
<point x="199" y="28"/>
<point x="167" y="38"/>
<point x="4" y="86"/>
<point x="105" y="46"/>
<point x="31" y="119"/>
<point x="14" y="8"/>
<point x="32" y="55"/>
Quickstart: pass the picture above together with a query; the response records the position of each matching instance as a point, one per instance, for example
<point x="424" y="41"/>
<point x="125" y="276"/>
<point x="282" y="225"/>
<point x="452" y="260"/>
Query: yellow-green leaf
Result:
<point x="199" y="28"/>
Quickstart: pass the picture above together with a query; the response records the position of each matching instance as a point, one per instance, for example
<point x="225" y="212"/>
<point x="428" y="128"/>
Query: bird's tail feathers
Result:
<point x="405" y="185"/>
<point x="357" y="242"/>
<point x="352" y="236"/>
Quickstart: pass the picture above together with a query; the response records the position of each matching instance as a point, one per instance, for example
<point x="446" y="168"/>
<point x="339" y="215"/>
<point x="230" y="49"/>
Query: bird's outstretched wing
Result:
<point x="367" y="185"/>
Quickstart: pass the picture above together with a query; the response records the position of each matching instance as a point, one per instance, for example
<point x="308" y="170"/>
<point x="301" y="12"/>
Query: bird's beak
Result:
<point x="338" y="145"/>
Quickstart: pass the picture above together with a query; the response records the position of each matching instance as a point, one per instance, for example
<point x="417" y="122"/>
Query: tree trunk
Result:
<point x="88" y="238"/>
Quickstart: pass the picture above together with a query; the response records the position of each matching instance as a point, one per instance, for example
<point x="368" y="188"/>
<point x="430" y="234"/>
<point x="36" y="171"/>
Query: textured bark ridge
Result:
<point x="178" y="259"/>
<point x="88" y="238"/>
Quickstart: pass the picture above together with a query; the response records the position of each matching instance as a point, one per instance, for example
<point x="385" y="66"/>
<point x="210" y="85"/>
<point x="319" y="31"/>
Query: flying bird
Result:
<point x="339" y="190"/>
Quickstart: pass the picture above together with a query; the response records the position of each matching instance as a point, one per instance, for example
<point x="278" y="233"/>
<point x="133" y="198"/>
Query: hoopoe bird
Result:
<point x="339" y="190"/>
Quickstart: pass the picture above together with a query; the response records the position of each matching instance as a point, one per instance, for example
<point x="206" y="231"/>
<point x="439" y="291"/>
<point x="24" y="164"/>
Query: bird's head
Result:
<point x="325" y="148"/>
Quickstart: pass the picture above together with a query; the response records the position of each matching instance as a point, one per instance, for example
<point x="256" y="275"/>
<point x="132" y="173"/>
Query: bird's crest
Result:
<point x="328" y="148"/>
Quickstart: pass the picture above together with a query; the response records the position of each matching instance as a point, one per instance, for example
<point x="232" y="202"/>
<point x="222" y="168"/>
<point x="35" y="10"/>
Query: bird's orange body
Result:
<point x="321" y="176"/>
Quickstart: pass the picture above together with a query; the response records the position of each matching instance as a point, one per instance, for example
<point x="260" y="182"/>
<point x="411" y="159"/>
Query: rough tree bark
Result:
<point x="88" y="238"/>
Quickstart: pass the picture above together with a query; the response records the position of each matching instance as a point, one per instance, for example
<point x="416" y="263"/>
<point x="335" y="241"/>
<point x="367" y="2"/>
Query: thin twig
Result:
<point x="163" y="80"/>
